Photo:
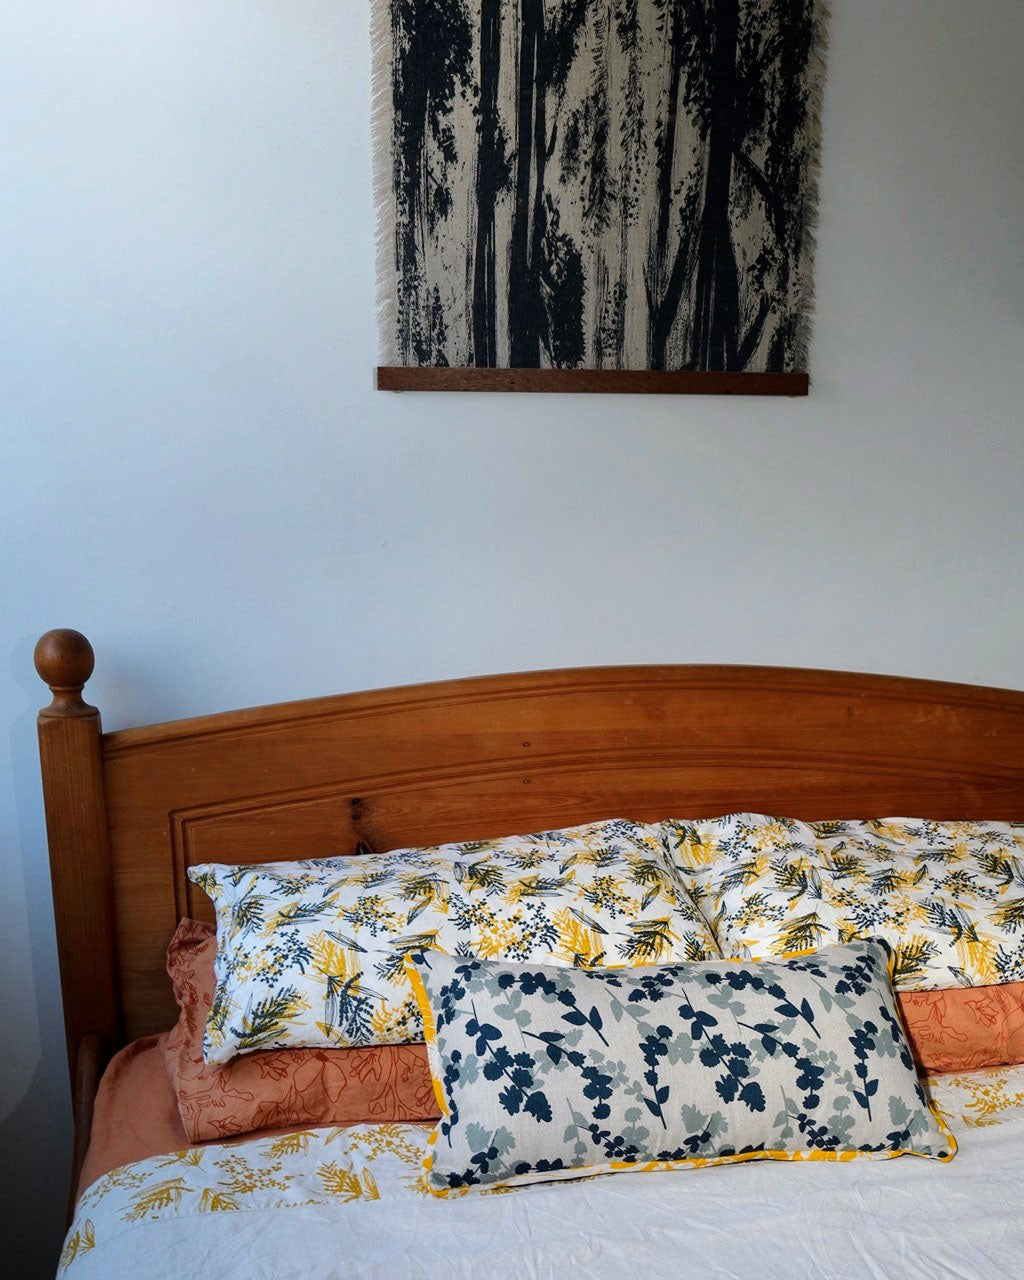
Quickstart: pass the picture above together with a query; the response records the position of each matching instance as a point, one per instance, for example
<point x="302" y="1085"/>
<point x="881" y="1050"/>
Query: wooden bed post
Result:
<point x="80" y="867"/>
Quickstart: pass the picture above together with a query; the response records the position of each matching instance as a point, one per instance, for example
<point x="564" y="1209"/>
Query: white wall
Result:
<point x="197" y="473"/>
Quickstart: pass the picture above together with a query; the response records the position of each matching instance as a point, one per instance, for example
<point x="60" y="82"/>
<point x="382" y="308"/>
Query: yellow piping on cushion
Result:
<point x="652" y="1166"/>
<point x="936" y="1113"/>
<point x="419" y="990"/>
<point x="699" y="1162"/>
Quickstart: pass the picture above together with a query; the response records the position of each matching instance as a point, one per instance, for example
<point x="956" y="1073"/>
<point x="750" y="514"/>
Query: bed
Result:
<point x="130" y="812"/>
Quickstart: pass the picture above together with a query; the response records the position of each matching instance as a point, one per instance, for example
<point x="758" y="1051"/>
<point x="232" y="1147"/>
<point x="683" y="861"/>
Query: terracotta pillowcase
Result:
<point x="283" y="1087"/>
<point x="965" y="1028"/>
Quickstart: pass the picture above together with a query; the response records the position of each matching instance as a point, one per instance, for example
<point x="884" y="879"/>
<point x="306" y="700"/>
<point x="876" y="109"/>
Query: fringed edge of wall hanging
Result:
<point x="817" y="74"/>
<point x="382" y="133"/>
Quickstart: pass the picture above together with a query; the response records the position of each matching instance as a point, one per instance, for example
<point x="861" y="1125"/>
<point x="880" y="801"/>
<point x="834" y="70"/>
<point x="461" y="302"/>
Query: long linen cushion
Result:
<point x="311" y="954"/>
<point x="547" y="1073"/>
<point x="278" y="1088"/>
<point x="947" y="896"/>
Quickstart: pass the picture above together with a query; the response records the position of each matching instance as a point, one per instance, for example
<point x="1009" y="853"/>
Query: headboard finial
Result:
<point x="64" y="660"/>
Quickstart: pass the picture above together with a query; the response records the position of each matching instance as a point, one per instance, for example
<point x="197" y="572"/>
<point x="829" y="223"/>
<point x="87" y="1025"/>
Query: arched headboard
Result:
<point x="129" y="812"/>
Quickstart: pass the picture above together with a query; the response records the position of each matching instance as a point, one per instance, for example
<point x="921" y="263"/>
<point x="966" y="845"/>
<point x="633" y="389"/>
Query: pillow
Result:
<point x="548" y="1073"/>
<point x="312" y="953"/>
<point x="289" y="1087"/>
<point x="947" y="896"/>
<point x="965" y="1028"/>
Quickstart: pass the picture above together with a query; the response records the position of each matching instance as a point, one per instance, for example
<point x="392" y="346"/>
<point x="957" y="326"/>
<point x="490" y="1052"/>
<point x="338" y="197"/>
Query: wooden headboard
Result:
<point x="128" y="812"/>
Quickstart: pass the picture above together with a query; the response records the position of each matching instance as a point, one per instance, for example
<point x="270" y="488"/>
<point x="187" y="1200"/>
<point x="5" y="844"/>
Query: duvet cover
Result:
<point x="353" y="1203"/>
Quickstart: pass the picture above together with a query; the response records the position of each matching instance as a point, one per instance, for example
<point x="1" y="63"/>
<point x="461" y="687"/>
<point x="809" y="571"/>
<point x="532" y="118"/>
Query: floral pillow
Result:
<point x="272" y="1090"/>
<point x="947" y="896"/>
<point x="546" y="1073"/>
<point x="312" y="953"/>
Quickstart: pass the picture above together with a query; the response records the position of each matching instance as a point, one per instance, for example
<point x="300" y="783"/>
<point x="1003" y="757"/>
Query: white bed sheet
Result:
<point x="349" y="1203"/>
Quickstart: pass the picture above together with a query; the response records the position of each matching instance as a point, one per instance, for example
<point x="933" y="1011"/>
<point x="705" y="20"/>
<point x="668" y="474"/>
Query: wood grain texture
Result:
<point x="492" y="755"/>
<point x="90" y="1061"/>
<point x="76" y="825"/>
<point x="602" y="381"/>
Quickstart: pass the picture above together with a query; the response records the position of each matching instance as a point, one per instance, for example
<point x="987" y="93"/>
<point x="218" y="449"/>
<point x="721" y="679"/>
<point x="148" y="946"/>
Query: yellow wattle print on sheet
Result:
<point x="393" y="1155"/>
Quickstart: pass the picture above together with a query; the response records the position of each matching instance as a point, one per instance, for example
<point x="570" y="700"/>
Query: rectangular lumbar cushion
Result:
<point x="548" y="1073"/>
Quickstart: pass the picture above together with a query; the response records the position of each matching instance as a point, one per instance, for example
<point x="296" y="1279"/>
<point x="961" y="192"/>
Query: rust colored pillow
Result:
<point x="282" y="1087"/>
<point x="965" y="1028"/>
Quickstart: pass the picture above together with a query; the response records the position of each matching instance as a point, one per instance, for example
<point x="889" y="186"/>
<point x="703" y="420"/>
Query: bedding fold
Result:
<point x="135" y="1115"/>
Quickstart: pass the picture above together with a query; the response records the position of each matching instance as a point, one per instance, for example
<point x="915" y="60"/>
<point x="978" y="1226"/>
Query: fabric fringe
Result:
<point x="382" y="127"/>
<point x="817" y="71"/>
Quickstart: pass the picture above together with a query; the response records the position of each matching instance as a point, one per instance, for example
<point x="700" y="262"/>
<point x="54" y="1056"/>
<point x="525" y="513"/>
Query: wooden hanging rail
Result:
<point x="627" y="381"/>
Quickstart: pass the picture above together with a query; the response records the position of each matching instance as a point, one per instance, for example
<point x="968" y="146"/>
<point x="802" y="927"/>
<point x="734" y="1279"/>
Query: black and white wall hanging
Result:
<point x="596" y="194"/>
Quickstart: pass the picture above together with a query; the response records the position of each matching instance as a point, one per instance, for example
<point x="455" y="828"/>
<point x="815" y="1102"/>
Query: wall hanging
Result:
<point x="596" y="195"/>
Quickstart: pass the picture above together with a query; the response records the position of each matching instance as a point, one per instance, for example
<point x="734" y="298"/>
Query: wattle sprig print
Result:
<point x="654" y="1047"/>
<point x="740" y="979"/>
<point x="863" y="1041"/>
<point x="789" y="1010"/>
<point x="598" y="1089"/>
<point x="518" y="1070"/>
<point x="577" y="1018"/>
<point x="718" y="1052"/>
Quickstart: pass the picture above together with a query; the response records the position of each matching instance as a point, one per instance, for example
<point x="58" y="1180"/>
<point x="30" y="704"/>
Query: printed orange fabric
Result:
<point x="282" y="1087"/>
<point x="965" y="1028"/>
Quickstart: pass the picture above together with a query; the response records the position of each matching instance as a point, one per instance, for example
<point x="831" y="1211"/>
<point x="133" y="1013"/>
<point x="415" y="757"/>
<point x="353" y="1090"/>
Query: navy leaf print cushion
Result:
<point x="549" y="1073"/>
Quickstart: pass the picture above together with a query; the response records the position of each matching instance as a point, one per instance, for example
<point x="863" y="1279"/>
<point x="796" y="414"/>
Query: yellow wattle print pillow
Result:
<point x="948" y="897"/>
<point x="312" y="953"/>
